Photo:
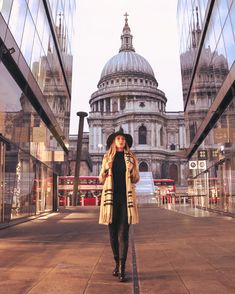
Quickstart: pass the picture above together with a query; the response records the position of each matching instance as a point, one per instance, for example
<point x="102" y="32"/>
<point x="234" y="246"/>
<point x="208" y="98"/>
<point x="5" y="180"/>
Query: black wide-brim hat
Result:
<point x="127" y="137"/>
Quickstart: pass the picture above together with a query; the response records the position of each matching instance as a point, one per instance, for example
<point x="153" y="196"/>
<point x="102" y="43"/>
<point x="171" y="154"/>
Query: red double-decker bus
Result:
<point x="89" y="190"/>
<point x="165" y="188"/>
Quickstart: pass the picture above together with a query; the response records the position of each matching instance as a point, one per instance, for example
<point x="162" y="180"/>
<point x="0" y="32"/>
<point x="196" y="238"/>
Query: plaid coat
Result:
<point x="132" y="177"/>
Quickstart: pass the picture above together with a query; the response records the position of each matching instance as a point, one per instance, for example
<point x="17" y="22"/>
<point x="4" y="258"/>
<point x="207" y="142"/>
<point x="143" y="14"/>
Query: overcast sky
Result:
<point x="98" y="29"/>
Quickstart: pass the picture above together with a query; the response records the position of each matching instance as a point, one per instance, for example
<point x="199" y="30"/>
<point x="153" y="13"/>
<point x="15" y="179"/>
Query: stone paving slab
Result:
<point x="69" y="252"/>
<point x="66" y="253"/>
<point x="184" y="253"/>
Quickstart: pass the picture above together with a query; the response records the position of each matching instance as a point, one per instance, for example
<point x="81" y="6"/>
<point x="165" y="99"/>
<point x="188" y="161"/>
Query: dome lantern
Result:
<point x="126" y="37"/>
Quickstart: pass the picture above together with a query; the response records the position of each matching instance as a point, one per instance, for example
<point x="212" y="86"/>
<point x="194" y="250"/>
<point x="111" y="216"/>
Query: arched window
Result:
<point x="172" y="146"/>
<point x="142" y="135"/>
<point x="143" y="167"/>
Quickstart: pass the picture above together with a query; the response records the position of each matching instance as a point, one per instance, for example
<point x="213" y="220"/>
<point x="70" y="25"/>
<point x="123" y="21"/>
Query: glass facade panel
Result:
<point x="27" y="189"/>
<point x="46" y="38"/>
<point x="232" y="17"/>
<point x="41" y="52"/>
<point x="29" y="139"/>
<point x="20" y="123"/>
<point x="33" y="8"/>
<point x="210" y="40"/>
<point x="17" y="19"/>
<point x="202" y="8"/>
<point x="28" y="34"/>
<point x="36" y="55"/>
<point x="214" y="185"/>
<point x="8" y="89"/>
<point x="53" y="7"/>
<point x="229" y="42"/>
<point x="216" y="22"/>
<point x="30" y="149"/>
<point x="229" y="2"/>
<point x="220" y="49"/>
<point x="214" y="59"/>
<point x="210" y="104"/>
<point x="41" y="19"/>
<point x="223" y="10"/>
<point x="5" y="9"/>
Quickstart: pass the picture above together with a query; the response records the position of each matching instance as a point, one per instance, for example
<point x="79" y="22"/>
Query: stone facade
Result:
<point x="128" y="96"/>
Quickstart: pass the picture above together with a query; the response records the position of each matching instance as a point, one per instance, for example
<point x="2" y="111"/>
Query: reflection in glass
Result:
<point x="219" y="182"/>
<point x="232" y="16"/>
<point x="33" y="8"/>
<point x="26" y="45"/>
<point x="210" y="40"/>
<point x="212" y="183"/>
<point x="17" y="19"/>
<point x="216" y="22"/>
<point x="29" y="152"/>
<point x="229" y="42"/>
<point x="28" y="136"/>
<point x="41" y="19"/>
<point x="223" y="10"/>
<point x="36" y="54"/>
<point x="46" y="37"/>
<point x="5" y="8"/>
<point x="212" y="68"/>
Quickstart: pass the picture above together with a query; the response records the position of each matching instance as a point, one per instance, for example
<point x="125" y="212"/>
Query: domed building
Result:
<point x="209" y="77"/>
<point x="128" y="96"/>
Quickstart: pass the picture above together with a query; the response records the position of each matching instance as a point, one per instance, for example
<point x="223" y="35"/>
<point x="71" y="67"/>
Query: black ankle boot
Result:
<point x="122" y="272"/>
<point x="116" y="269"/>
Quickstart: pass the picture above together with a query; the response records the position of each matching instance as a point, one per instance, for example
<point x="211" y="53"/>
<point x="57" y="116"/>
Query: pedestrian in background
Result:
<point x="118" y="208"/>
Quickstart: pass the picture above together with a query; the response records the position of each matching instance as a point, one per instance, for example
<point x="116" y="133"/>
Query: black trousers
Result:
<point x="119" y="230"/>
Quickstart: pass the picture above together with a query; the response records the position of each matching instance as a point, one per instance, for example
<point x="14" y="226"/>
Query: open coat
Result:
<point x="106" y="178"/>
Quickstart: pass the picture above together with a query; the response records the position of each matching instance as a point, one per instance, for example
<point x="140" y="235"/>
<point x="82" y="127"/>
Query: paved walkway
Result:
<point x="169" y="252"/>
<point x="188" y="210"/>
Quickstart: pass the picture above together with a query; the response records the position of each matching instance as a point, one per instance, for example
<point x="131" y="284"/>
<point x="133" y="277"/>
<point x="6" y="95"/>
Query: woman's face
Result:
<point x="120" y="142"/>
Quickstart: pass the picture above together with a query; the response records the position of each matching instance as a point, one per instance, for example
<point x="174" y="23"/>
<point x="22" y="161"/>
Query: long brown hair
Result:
<point x="109" y="156"/>
<point x="112" y="151"/>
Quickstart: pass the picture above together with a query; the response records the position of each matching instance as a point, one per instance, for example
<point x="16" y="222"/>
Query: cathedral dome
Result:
<point x="127" y="61"/>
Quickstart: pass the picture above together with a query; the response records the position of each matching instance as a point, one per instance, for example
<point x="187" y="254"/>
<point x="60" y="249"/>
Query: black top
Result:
<point x="119" y="176"/>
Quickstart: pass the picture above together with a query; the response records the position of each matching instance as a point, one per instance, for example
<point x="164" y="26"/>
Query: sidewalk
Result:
<point x="188" y="210"/>
<point x="169" y="252"/>
<point x="185" y="254"/>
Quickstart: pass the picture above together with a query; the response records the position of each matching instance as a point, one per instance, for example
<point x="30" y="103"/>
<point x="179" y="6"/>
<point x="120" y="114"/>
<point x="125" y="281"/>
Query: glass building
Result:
<point x="35" y="95"/>
<point x="207" y="53"/>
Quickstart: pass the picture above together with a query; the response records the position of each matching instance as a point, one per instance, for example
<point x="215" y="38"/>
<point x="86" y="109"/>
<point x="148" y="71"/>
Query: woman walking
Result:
<point x="118" y="209"/>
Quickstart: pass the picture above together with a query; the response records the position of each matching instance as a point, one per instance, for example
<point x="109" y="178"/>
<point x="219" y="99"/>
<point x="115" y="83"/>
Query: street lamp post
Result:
<point x="81" y="115"/>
